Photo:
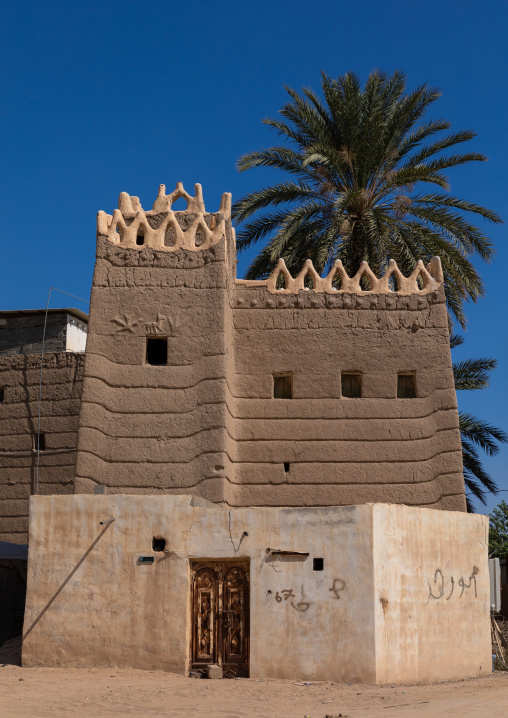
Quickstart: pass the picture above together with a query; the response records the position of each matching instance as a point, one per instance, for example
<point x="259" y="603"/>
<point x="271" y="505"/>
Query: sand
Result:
<point x="106" y="692"/>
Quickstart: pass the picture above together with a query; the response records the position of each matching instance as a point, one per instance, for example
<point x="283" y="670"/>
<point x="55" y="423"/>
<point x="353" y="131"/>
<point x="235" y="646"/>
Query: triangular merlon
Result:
<point x="422" y="280"/>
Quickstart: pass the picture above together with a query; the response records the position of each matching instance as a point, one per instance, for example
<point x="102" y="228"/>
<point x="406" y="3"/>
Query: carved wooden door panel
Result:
<point x="220" y="616"/>
<point x="205" y="620"/>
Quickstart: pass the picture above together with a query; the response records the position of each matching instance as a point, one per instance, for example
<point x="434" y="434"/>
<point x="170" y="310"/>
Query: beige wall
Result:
<point x="61" y="394"/>
<point x="90" y="603"/>
<point x="432" y="595"/>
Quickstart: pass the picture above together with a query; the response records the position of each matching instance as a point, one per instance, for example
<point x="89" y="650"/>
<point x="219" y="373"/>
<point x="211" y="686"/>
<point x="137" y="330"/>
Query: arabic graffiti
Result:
<point x="338" y="585"/>
<point x="287" y="593"/>
<point x="442" y="587"/>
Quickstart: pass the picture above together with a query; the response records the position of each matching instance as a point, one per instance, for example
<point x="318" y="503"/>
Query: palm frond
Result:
<point x="479" y="432"/>
<point x="364" y="154"/>
<point x="470" y="374"/>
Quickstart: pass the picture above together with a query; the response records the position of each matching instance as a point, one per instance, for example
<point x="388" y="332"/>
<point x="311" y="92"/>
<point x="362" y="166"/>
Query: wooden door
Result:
<point x="220" y="616"/>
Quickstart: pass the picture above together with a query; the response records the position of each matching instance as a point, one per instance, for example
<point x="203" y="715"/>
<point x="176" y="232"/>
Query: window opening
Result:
<point x="140" y="237"/>
<point x="2" y="394"/>
<point x="157" y="351"/>
<point x="283" y="387"/>
<point x="158" y="544"/>
<point x="39" y="441"/>
<point x="317" y="564"/>
<point x="351" y="386"/>
<point x="286" y="467"/>
<point x="406" y="386"/>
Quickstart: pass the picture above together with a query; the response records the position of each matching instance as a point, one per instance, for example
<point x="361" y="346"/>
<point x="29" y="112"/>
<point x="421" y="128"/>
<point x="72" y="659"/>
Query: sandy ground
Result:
<point x="106" y="693"/>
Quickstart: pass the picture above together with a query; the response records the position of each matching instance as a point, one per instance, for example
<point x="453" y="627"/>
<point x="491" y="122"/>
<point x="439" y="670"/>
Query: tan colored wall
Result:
<point x="149" y="428"/>
<point x="61" y="393"/>
<point x="345" y="451"/>
<point x="207" y="423"/>
<point x="90" y="604"/>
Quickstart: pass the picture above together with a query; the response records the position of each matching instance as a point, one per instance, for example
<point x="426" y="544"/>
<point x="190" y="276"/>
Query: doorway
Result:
<point x="220" y="615"/>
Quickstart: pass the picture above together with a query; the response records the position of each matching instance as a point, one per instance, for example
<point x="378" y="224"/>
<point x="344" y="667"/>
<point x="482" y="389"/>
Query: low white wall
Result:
<point x="90" y="604"/>
<point x="76" y="335"/>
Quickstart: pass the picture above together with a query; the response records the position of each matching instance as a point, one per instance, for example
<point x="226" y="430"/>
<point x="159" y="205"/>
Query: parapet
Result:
<point x="133" y="228"/>
<point x="195" y="229"/>
<point x="423" y="279"/>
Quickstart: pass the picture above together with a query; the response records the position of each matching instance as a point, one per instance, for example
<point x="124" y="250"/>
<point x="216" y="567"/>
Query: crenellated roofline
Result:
<point x="131" y="227"/>
<point x="423" y="279"/>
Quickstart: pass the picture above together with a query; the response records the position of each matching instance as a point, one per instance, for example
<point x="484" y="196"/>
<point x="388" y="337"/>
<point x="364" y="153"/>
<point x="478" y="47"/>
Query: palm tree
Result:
<point x="471" y="374"/>
<point x="355" y="162"/>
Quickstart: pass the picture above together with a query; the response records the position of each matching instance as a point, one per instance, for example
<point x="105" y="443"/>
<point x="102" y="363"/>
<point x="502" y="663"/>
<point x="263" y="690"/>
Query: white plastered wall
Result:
<point x="76" y="335"/>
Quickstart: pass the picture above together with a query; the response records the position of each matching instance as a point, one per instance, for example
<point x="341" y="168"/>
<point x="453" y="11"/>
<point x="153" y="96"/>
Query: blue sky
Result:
<point x="99" y="98"/>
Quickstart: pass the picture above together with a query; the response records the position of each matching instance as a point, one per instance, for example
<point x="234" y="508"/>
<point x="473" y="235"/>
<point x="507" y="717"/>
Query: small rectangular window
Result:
<point x="406" y="386"/>
<point x="351" y="385"/>
<point x="283" y="387"/>
<point x="39" y="442"/>
<point x="156" y="351"/>
<point x="318" y="564"/>
<point x="2" y="394"/>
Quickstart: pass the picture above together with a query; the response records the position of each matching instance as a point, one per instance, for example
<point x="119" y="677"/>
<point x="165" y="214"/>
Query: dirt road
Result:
<point x="111" y="693"/>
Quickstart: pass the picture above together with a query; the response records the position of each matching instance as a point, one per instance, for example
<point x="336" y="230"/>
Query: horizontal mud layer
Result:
<point x="62" y="379"/>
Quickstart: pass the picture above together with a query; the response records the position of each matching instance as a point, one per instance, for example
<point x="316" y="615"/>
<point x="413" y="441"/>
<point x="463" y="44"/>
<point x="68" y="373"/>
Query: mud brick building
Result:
<point x="250" y="454"/>
<point x="254" y="394"/>
<point x="21" y="334"/>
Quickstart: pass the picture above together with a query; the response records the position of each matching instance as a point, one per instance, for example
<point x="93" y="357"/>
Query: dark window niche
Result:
<point x="2" y="394"/>
<point x="286" y="467"/>
<point x="283" y="386"/>
<point x="406" y="386"/>
<point x="140" y="237"/>
<point x="39" y="442"/>
<point x="318" y="564"/>
<point x="351" y="385"/>
<point x="157" y="351"/>
<point x="158" y="544"/>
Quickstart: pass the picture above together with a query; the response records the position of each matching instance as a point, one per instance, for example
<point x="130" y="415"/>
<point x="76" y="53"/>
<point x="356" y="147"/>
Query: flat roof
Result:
<point x="30" y="312"/>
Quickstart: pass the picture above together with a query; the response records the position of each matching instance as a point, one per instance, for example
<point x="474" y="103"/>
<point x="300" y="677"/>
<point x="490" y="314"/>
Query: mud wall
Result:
<point x="377" y="612"/>
<point x="344" y="450"/>
<point x="208" y="423"/>
<point x="157" y="429"/>
<point x="61" y="393"/>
